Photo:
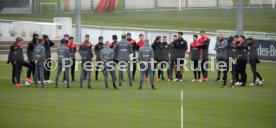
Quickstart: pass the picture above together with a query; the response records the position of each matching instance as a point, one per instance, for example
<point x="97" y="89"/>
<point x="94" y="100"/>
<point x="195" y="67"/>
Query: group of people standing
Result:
<point x="132" y="54"/>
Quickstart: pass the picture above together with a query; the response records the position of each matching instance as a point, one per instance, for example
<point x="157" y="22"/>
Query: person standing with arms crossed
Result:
<point x="146" y="56"/>
<point x="196" y="55"/>
<point x="86" y="54"/>
<point x="205" y="41"/>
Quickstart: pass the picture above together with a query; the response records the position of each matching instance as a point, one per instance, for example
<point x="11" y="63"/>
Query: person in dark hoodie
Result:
<point x="157" y="49"/>
<point x="165" y="53"/>
<point x="112" y="45"/>
<point x="171" y="58"/>
<point x="73" y="49"/>
<point x="242" y="59"/>
<point x="134" y="50"/>
<point x="98" y="48"/>
<point x="180" y="48"/>
<point x="254" y="60"/>
<point x="232" y="55"/>
<point x="30" y="50"/>
<point x="47" y="45"/>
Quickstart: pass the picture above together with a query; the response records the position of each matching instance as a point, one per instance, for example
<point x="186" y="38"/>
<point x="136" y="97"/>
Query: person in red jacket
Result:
<point x="204" y="41"/>
<point x="134" y="50"/>
<point x="140" y="44"/>
<point x="73" y="49"/>
<point x="115" y="41"/>
<point x="195" y="55"/>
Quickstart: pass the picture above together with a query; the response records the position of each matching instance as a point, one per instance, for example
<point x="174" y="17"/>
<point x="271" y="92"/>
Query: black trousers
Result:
<point x="31" y="70"/>
<point x="17" y="69"/>
<point x="256" y="74"/>
<point x="134" y="64"/>
<point x="196" y="69"/>
<point x="242" y="70"/>
<point x="47" y="70"/>
<point x="204" y="68"/>
<point x="234" y="73"/>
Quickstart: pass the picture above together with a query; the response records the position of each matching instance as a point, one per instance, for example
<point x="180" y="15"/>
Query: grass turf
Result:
<point x="255" y="19"/>
<point x="205" y="104"/>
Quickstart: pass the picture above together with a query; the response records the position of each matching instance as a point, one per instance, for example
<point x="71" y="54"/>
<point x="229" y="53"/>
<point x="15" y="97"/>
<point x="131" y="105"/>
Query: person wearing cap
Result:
<point x="107" y="56"/>
<point x="63" y="53"/>
<point x="145" y="57"/>
<point x="39" y="59"/>
<point x="98" y="48"/>
<point x="205" y="41"/>
<point x="123" y="50"/>
<point x="134" y="50"/>
<point x="180" y="48"/>
<point x="47" y="45"/>
<point x="16" y="58"/>
<point x="30" y="49"/>
<point x="86" y="54"/>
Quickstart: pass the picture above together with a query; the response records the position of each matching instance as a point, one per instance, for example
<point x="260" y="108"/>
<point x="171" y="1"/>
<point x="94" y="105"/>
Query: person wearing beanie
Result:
<point x="63" y="52"/>
<point x="30" y="49"/>
<point x="98" y="48"/>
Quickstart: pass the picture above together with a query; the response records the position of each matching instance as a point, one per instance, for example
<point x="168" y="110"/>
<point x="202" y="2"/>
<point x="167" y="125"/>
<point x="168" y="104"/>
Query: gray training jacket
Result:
<point x="107" y="54"/>
<point x="63" y="52"/>
<point x="221" y="49"/>
<point x="39" y="54"/>
<point x="122" y="50"/>
<point x="145" y="53"/>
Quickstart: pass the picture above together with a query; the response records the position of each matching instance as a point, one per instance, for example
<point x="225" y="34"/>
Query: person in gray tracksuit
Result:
<point x="63" y="54"/>
<point x="221" y="55"/>
<point x="86" y="58"/>
<point x="39" y="59"/>
<point x="145" y="56"/>
<point x="122" y="50"/>
<point x="107" y="57"/>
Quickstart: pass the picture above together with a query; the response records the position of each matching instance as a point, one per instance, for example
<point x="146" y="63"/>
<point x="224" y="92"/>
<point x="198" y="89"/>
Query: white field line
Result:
<point x="181" y="109"/>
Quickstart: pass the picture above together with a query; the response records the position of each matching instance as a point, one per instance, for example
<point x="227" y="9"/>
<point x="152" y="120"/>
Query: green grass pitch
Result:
<point x="205" y="104"/>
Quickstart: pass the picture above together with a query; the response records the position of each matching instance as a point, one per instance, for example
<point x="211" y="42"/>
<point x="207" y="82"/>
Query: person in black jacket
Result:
<point x="242" y="59"/>
<point x="47" y="45"/>
<point x="30" y="51"/>
<point x="17" y="59"/>
<point x="195" y="55"/>
<point x="253" y="60"/>
<point x="232" y="55"/>
<point x="98" y="48"/>
<point x="157" y="49"/>
<point x="171" y="58"/>
<point x="180" y="48"/>
<point x="165" y="53"/>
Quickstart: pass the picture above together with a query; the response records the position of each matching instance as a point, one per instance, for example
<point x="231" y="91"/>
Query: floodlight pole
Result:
<point x="78" y="21"/>
<point x="240" y="17"/>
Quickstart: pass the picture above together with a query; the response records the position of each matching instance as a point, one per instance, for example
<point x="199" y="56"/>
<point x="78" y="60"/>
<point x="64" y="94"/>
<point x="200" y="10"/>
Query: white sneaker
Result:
<point x="252" y="84"/>
<point x="194" y="80"/>
<point x="220" y="80"/>
<point x="175" y="80"/>
<point x="180" y="80"/>
<point x="199" y="80"/>
<point x="50" y="81"/>
<point x="238" y="83"/>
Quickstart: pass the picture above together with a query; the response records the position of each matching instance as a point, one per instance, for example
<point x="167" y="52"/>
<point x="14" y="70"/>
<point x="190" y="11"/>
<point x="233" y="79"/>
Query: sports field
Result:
<point x="205" y="104"/>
